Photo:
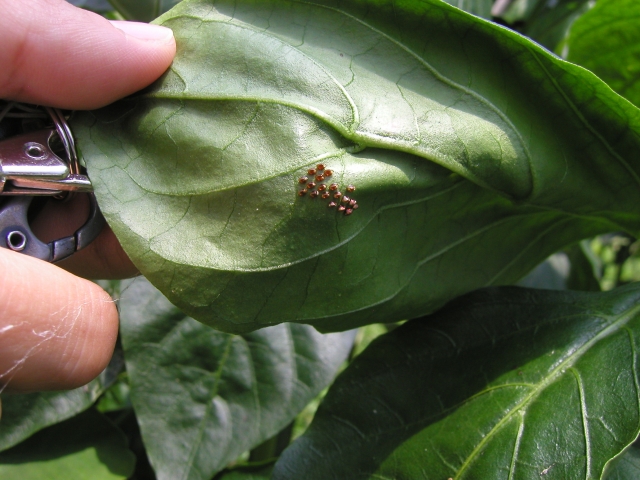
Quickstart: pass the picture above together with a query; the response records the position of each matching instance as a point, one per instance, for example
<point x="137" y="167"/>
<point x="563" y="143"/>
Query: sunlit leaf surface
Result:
<point x="503" y="383"/>
<point x="606" y="40"/>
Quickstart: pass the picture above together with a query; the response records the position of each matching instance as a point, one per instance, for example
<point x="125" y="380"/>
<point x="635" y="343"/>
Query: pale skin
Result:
<point x="58" y="330"/>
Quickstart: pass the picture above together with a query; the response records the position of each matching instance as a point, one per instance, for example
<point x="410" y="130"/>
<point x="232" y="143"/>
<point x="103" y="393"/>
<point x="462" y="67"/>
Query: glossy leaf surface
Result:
<point x="606" y="40"/>
<point x="502" y="383"/>
<point x="85" y="446"/>
<point x="203" y="397"/>
<point x="468" y="145"/>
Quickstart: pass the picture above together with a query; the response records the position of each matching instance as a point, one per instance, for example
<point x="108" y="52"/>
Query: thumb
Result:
<point x="59" y="55"/>
<point x="57" y="331"/>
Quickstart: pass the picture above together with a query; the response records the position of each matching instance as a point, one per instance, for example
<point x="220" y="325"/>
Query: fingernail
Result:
<point x="144" y="31"/>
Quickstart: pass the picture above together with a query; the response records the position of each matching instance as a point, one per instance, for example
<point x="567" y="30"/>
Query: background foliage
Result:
<point x="503" y="382"/>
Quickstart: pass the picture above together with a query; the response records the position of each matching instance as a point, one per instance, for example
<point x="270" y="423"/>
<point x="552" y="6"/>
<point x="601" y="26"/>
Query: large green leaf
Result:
<point x="23" y="415"/>
<point x="203" y="397"/>
<point x="502" y="383"/>
<point x="87" y="446"/>
<point x="468" y="145"/>
<point x="606" y="40"/>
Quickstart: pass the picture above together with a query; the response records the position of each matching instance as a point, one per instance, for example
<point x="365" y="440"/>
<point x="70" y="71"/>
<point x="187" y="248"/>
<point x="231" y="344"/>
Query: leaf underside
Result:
<point x="467" y="145"/>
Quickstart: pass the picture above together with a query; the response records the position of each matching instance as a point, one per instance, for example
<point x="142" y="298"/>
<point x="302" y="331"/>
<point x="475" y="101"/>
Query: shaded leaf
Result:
<point x="627" y="467"/>
<point x="547" y="22"/>
<point x="203" y="397"/>
<point x="248" y="473"/>
<point x="94" y="5"/>
<point x="142" y="10"/>
<point x="502" y="383"/>
<point x="85" y="446"/>
<point x="551" y="274"/>
<point x="481" y="8"/>
<point x="468" y="145"/>
<point x="585" y="270"/>
<point x="606" y="40"/>
<point x="23" y="415"/>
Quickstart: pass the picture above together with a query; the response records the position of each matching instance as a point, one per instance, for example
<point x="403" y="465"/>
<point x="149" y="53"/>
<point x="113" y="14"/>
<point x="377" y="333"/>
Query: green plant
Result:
<point x="473" y="153"/>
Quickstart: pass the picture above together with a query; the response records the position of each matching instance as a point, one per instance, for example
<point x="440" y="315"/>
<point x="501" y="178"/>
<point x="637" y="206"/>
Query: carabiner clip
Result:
<point x="40" y="162"/>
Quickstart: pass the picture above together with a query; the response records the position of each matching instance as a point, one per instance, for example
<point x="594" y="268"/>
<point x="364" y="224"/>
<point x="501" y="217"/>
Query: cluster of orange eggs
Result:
<point x="314" y="188"/>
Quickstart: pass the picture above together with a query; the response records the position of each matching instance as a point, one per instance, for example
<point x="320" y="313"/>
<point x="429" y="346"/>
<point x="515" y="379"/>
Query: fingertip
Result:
<point x="58" y="55"/>
<point x="57" y="331"/>
<point x="95" y="334"/>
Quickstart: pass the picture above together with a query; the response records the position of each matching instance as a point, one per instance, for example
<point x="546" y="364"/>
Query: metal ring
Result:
<point x="64" y="131"/>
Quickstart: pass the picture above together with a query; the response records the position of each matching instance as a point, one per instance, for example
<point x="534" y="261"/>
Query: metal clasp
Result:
<point x="29" y="164"/>
<point x="41" y="162"/>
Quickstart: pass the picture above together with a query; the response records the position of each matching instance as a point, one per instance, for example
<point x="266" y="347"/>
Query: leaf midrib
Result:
<point x="555" y="374"/>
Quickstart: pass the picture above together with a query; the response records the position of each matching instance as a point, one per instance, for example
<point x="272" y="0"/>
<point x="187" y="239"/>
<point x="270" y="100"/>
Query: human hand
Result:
<point x="57" y="331"/>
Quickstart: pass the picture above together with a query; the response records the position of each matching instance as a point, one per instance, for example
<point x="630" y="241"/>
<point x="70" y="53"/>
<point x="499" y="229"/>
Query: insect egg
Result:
<point x="322" y="187"/>
<point x="310" y="185"/>
<point x="341" y="208"/>
<point x="303" y="179"/>
<point x="328" y="173"/>
<point x="319" y="178"/>
<point x="302" y="193"/>
<point x="311" y="171"/>
<point x="351" y="188"/>
<point x="325" y="195"/>
<point x="313" y="194"/>
<point x="320" y="166"/>
<point x="333" y="186"/>
<point x="337" y="195"/>
<point x="331" y="204"/>
<point x="352" y="202"/>
<point x="345" y="199"/>
<point x="355" y="206"/>
<point x="348" y="211"/>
